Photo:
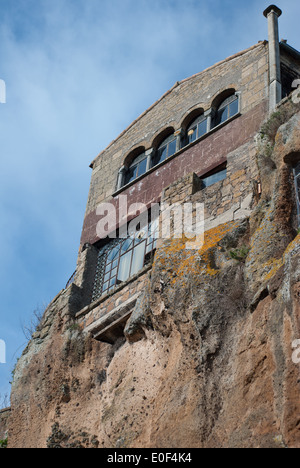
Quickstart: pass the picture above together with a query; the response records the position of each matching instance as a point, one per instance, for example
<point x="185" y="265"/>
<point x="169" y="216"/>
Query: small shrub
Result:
<point x="239" y="254"/>
<point x="101" y="377"/>
<point x="74" y="327"/>
<point x="35" y="322"/>
<point x="3" y="444"/>
<point x="278" y="118"/>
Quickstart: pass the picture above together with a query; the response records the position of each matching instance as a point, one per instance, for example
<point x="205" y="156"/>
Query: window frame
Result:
<point x="165" y="144"/>
<point x="109" y="270"/>
<point x="151" y="160"/>
<point x="226" y="104"/>
<point x="195" y="124"/>
<point x="218" y="170"/>
<point x="136" y="163"/>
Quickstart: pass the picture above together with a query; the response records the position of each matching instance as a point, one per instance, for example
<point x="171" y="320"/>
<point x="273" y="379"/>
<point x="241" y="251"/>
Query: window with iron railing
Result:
<point x="120" y="259"/>
<point x="137" y="168"/>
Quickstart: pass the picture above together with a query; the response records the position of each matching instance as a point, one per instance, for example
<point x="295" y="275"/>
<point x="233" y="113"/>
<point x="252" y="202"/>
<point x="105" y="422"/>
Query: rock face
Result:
<point x="4" y="418"/>
<point x="207" y="359"/>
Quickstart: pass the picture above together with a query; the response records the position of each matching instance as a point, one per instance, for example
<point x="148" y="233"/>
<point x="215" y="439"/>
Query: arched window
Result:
<point x="196" y="129"/>
<point x="228" y="108"/>
<point x="166" y="149"/>
<point x="137" y="168"/>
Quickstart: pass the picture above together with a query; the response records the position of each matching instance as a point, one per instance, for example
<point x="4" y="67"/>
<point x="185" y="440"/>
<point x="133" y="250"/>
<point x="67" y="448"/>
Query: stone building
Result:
<point x="197" y="140"/>
<point x="211" y="329"/>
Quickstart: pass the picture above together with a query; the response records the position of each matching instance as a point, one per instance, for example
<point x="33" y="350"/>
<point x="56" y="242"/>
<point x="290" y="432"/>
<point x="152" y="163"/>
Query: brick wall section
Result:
<point x="198" y="158"/>
<point x="4" y="417"/>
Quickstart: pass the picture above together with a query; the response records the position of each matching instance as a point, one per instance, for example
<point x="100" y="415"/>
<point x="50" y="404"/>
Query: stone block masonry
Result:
<point x="228" y="200"/>
<point x="213" y="150"/>
<point x="246" y="72"/>
<point x="105" y="319"/>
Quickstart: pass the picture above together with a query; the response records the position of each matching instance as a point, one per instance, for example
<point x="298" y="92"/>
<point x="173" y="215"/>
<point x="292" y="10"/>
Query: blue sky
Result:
<point x="77" y="73"/>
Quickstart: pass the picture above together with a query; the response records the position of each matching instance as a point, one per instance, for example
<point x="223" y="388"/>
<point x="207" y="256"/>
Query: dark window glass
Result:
<point x="197" y="129"/>
<point x="165" y="150"/>
<point x="212" y="179"/>
<point x="136" y="169"/>
<point x="297" y="186"/>
<point x="192" y="134"/>
<point x="222" y="116"/>
<point x="202" y="128"/>
<point x="129" y="256"/>
<point x="288" y="76"/>
<point x="131" y="174"/>
<point x="162" y="154"/>
<point x="142" y="167"/>
<point x="233" y="108"/>
<point x="172" y="148"/>
<point x="227" y="109"/>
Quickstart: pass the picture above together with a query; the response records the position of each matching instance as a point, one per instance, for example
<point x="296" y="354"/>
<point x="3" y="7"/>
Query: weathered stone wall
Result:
<point x="200" y="158"/>
<point x="112" y="307"/>
<point x="225" y="201"/>
<point x="208" y="357"/>
<point x="246" y="72"/>
<point x="4" y="420"/>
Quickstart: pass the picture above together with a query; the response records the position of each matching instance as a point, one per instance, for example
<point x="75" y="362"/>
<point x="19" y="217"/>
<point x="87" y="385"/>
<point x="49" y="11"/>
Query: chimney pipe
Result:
<point x="272" y="13"/>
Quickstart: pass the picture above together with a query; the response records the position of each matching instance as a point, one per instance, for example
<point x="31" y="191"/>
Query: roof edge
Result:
<point x="290" y="50"/>
<point x="178" y="83"/>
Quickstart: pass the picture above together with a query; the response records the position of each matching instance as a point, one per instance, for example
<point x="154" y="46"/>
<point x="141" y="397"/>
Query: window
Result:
<point x="122" y="258"/>
<point x="197" y="129"/>
<point x="297" y="186"/>
<point x="137" y="168"/>
<point x="166" y="149"/>
<point x="213" y="178"/>
<point x="227" y="109"/>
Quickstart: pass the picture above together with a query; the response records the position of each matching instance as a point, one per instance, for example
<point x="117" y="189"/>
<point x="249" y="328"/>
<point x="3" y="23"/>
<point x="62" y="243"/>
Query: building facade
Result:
<point x="196" y="144"/>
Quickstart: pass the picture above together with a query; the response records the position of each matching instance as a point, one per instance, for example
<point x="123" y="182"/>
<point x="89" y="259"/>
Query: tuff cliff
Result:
<point x="207" y="359"/>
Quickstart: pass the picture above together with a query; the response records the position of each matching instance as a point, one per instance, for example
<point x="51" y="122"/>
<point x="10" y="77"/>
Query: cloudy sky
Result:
<point x="77" y="73"/>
